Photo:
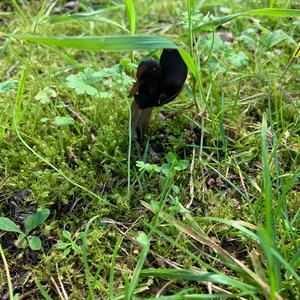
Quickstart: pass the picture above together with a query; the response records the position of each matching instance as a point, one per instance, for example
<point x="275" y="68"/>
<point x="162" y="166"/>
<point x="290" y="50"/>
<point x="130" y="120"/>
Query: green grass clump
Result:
<point x="207" y="206"/>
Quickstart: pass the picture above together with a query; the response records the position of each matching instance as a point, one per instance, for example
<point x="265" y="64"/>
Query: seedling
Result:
<point x="31" y="223"/>
<point x="165" y="169"/>
<point x="70" y="244"/>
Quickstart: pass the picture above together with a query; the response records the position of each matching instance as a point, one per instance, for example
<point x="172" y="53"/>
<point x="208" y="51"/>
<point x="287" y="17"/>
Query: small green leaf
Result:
<point x="143" y="239"/>
<point x="67" y="251"/>
<point x="165" y="169"/>
<point x="7" y="224"/>
<point x="42" y="290"/>
<point x="273" y="38"/>
<point x="35" y="243"/>
<point x="238" y="60"/>
<point x="38" y="218"/>
<point x="171" y="158"/>
<point x="151" y="168"/>
<point x="67" y="235"/>
<point x="90" y="76"/>
<point x="62" y="245"/>
<point x="262" y="12"/>
<point x="81" y="234"/>
<point x="45" y="96"/>
<point x="7" y="86"/>
<point x="175" y="189"/>
<point x="64" y="121"/>
<point x="182" y="165"/>
<point x="82" y="81"/>
<point x="80" y="86"/>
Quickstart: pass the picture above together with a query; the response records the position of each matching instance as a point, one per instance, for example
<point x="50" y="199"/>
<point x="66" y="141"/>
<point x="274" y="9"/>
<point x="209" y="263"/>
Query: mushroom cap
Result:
<point x="174" y="72"/>
<point x="149" y="69"/>
<point x="159" y="83"/>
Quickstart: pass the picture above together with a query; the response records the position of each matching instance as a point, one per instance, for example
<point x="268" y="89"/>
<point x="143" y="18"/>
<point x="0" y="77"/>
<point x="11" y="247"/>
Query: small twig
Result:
<point x="242" y="179"/>
<point x="75" y="115"/>
<point x="252" y="97"/>
<point x="3" y="182"/>
<point x="209" y="288"/>
<point x="11" y="69"/>
<point x="61" y="284"/>
<point x="173" y="264"/>
<point x="57" y="289"/>
<point x="254" y="257"/>
<point x="163" y="288"/>
<point x="75" y="203"/>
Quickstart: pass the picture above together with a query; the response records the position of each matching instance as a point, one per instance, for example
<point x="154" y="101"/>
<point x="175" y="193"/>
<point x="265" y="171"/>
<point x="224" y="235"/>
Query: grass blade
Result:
<point x="199" y="296"/>
<point x="96" y="43"/>
<point x="42" y="290"/>
<point x="112" y="266"/>
<point x="146" y="247"/>
<point x="273" y="12"/>
<point x="87" y="271"/>
<point x="215" y="23"/>
<point x="131" y="15"/>
<point x="268" y="234"/>
<point x="270" y="227"/>
<point x="83" y="16"/>
<point x="200" y="276"/>
<point x="8" y="278"/>
<point x="137" y="271"/>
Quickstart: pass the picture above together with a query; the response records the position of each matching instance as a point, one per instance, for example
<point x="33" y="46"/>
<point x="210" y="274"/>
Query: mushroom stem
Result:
<point x="140" y="120"/>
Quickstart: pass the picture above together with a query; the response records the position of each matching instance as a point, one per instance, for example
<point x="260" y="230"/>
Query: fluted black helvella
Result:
<point x="157" y="84"/>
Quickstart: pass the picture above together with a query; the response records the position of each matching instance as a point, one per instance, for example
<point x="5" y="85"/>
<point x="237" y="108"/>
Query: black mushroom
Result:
<point x="156" y="85"/>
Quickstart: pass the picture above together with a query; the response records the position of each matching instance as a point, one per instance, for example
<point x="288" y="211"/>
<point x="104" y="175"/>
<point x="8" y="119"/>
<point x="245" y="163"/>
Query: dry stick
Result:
<point x="26" y="295"/>
<point x="163" y="288"/>
<point x="209" y="288"/>
<point x="242" y="179"/>
<point x="3" y="182"/>
<point x="57" y="289"/>
<point x="75" y="115"/>
<point x="11" y="69"/>
<point x="252" y="97"/>
<point x="61" y="284"/>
